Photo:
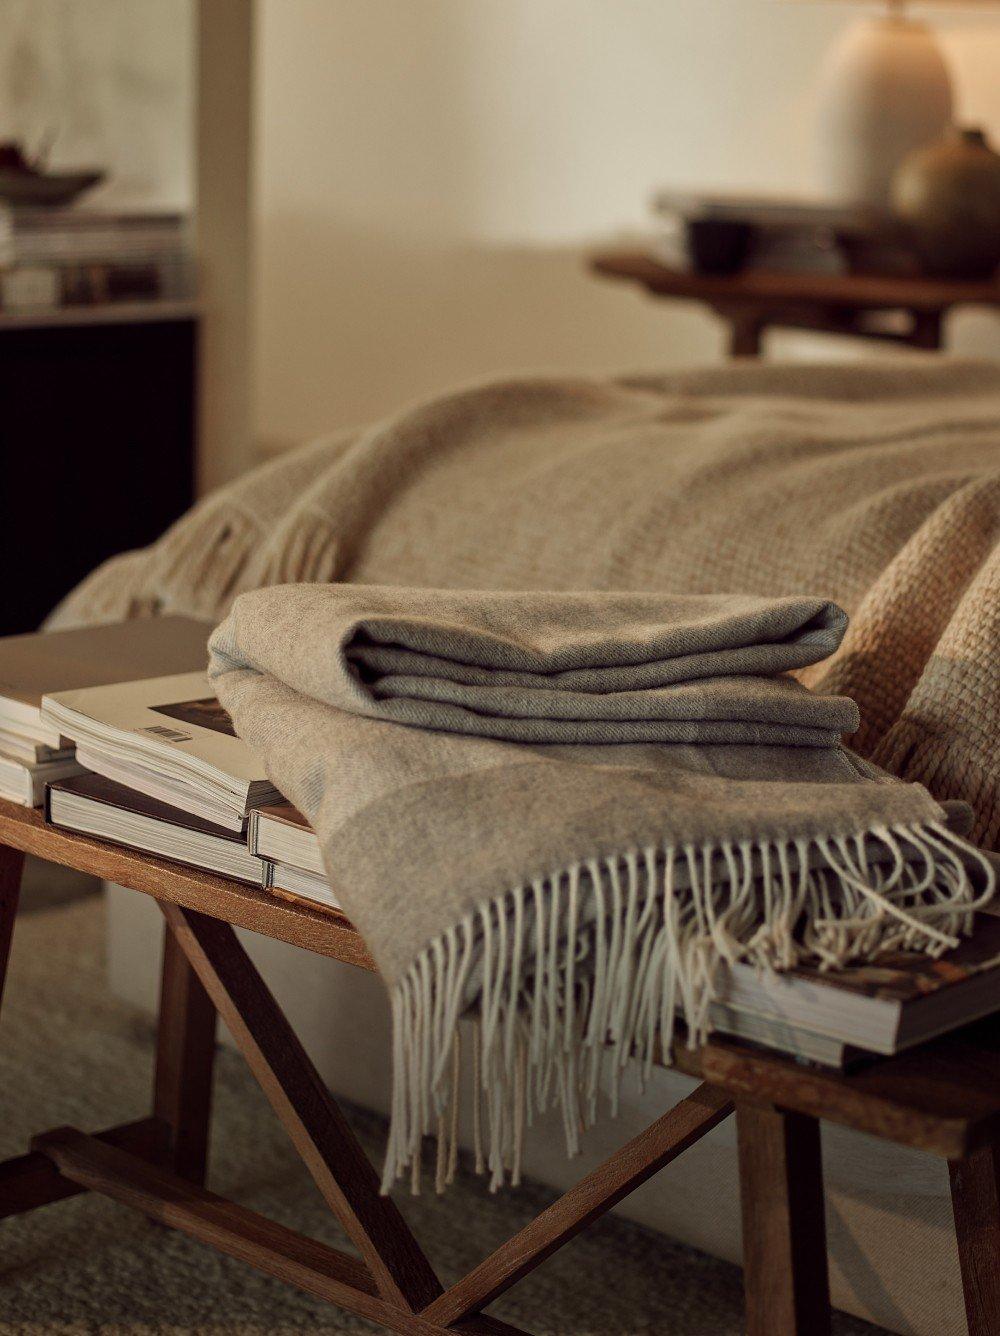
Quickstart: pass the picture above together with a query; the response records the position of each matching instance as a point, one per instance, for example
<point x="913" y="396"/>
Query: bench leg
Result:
<point x="29" y="1181"/>
<point x="975" y="1196"/>
<point x="185" y="1056"/>
<point x="784" y="1228"/>
<point x="11" y="867"/>
<point x="746" y="333"/>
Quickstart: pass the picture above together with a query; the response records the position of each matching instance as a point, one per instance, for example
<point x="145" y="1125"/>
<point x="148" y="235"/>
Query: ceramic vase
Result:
<point x="949" y="196"/>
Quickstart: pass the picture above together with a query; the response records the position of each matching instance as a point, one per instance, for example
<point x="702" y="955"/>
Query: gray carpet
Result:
<point x="45" y="885"/>
<point x="71" y="1053"/>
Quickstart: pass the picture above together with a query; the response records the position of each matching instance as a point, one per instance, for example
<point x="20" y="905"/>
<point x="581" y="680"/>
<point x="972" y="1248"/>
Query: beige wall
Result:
<point x="113" y="81"/>
<point x="224" y="180"/>
<point x="426" y="171"/>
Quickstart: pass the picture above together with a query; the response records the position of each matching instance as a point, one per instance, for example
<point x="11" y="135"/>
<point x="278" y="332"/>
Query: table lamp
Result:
<point x="885" y="89"/>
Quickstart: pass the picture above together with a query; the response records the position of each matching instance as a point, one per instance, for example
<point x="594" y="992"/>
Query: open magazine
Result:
<point x="167" y="737"/>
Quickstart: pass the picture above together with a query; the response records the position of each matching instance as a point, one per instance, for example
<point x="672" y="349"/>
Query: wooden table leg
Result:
<point x="975" y="1196"/>
<point x="11" y="867"/>
<point x="185" y="1055"/>
<point x="926" y="331"/>
<point x="746" y="331"/>
<point x="784" y="1227"/>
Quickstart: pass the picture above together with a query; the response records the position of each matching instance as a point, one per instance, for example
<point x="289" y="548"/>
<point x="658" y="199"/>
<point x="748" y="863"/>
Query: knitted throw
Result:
<point x="566" y="810"/>
<point x="874" y="485"/>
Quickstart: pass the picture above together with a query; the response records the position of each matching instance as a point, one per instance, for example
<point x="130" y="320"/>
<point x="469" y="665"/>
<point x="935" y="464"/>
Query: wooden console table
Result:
<point x="754" y="301"/>
<point x="943" y="1098"/>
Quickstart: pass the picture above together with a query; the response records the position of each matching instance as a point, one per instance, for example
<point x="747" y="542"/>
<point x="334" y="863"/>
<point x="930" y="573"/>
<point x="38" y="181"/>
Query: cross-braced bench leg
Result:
<point x="206" y="969"/>
<point x="784" y="1227"/>
<point x="32" y="1180"/>
<point x="311" y="1117"/>
<point x="185" y="1056"/>
<point x="975" y="1195"/>
<point x="596" y="1194"/>
<point x="11" y="867"/>
<point x="157" y="1165"/>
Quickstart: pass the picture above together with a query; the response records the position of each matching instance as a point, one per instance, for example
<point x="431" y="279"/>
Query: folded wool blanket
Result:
<point x="875" y="485"/>
<point x="566" y="810"/>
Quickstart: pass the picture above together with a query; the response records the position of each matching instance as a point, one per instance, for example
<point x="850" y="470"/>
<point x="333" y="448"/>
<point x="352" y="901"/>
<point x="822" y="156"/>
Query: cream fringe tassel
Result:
<point x="200" y="566"/>
<point x="579" y="971"/>
<point x="252" y="533"/>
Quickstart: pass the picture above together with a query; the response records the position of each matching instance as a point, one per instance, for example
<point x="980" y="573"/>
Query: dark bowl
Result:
<point x="45" y="188"/>
<point x="716" y="245"/>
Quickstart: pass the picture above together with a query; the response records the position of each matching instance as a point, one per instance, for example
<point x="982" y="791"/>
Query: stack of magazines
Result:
<point x="85" y="257"/>
<point x="117" y="750"/>
<point x="33" y="749"/>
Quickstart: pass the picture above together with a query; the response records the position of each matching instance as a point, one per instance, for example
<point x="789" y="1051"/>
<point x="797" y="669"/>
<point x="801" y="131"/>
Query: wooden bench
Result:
<point x="943" y="1098"/>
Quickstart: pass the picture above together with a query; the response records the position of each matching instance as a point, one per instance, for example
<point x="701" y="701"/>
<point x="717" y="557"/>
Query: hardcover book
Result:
<point x="279" y="831"/>
<point x="301" y="885"/>
<point x="902" y="1000"/>
<point x="93" y="805"/>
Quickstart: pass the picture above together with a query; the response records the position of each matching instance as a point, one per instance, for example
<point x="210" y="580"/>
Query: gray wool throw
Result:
<point x="566" y="810"/>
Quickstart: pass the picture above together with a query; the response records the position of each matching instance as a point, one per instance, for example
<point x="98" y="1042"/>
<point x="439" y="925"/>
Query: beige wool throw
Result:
<point x="874" y="485"/>
<point x="566" y="810"/>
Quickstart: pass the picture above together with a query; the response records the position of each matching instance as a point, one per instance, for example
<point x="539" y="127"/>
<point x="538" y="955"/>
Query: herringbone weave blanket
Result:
<point x="566" y="810"/>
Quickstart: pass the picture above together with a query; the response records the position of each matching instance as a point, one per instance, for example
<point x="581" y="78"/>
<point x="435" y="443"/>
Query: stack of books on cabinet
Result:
<point x="85" y="257"/>
<point x="116" y="730"/>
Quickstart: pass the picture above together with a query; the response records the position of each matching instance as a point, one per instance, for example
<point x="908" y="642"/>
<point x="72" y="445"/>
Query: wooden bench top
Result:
<point x="236" y="902"/>
<point x="943" y="1097"/>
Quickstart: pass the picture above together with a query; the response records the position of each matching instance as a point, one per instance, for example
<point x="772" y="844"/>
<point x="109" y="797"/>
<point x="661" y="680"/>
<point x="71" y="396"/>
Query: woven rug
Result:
<point x="72" y="1053"/>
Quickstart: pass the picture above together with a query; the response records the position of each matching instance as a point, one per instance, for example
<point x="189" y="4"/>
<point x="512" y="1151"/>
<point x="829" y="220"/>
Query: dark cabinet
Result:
<point x="97" y="450"/>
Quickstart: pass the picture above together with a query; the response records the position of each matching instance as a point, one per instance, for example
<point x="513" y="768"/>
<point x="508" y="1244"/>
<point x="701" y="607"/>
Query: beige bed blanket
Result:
<point x="874" y="485"/>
